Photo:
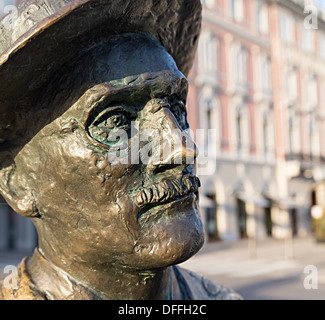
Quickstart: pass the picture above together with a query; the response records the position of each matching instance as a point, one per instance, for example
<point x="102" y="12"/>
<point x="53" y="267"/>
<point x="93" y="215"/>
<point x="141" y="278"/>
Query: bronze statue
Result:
<point x="92" y="103"/>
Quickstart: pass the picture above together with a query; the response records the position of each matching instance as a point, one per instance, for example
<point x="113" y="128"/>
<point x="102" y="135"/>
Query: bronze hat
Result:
<point x="44" y="35"/>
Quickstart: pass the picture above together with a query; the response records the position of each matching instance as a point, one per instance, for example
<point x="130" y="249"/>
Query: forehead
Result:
<point x="125" y="66"/>
<point x="131" y="67"/>
<point x="132" y="91"/>
<point x="130" y="55"/>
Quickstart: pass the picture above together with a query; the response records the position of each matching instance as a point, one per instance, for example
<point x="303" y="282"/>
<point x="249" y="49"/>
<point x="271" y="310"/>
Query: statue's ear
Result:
<point x="21" y="203"/>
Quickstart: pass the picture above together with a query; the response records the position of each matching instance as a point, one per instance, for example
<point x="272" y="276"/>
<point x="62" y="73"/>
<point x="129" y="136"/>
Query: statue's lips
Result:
<point x="166" y="191"/>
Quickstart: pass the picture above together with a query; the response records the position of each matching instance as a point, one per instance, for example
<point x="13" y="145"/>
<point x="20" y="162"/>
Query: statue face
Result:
<point x="108" y="175"/>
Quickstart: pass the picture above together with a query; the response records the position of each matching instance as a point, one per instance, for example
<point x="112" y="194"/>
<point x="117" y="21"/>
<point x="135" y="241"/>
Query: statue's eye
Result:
<point x="111" y="127"/>
<point x="179" y="111"/>
<point x="116" y="121"/>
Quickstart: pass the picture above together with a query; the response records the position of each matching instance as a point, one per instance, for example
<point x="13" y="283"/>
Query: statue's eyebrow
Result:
<point x="138" y="88"/>
<point x="154" y="84"/>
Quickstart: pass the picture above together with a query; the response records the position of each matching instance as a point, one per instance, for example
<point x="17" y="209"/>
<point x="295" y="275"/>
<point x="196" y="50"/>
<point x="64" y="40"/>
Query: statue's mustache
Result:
<point x="167" y="190"/>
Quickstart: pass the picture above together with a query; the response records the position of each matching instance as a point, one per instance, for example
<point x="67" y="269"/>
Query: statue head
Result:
<point x="94" y="141"/>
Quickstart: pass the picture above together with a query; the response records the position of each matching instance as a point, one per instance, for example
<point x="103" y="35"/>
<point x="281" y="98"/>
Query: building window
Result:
<point x="307" y="39"/>
<point x="242" y="64"/>
<point x="239" y="58"/>
<point x="287" y="28"/>
<point x="262" y="17"/>
<point x="211" y="217"/>
<point x="242" y="218"/>
<point x="293" y="134"/>
<point x="311" y="92"/>
<point x="238" y="10"/>
<point x="265" y="78"/>
<point x="322" y="46"/>
<point x="314" y="139"/>
<point x="239" y="127"/>
<point x="211" y="110"/>
<point x="208" y="52"/>
<point x="239" y="131"/>
<point x="209" y="114"/>
<point x="210" y="118"/>
<point x="291" y="84"/>
<point x="265" y="134"/>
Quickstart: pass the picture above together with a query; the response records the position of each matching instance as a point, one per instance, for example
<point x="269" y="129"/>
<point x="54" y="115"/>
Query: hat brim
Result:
<point x="52" y="34"/>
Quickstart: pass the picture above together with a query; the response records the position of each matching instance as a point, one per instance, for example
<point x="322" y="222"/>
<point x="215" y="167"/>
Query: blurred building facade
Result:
<point x="259" y="82"/>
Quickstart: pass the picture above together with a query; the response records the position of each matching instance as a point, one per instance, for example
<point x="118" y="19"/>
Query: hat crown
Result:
<point x="42" y="36"/>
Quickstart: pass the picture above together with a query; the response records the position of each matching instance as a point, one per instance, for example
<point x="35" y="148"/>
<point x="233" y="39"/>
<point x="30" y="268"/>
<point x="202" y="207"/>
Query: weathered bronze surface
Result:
<point x="94" y="149"/>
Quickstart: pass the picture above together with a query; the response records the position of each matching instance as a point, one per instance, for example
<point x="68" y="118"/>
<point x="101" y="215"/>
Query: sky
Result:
<point x="320" y="3"/>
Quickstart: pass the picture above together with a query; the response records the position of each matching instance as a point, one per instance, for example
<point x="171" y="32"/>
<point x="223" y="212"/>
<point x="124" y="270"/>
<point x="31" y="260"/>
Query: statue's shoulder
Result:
<point x="19" y="286"/>
<point x="197" y="287"/>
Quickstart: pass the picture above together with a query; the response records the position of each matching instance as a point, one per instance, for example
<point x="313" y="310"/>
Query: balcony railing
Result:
<point x="306" y="159"/>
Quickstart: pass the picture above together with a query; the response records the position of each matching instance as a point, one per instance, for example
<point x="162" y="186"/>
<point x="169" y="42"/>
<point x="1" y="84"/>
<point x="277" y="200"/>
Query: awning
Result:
<point x="257" y="200"/>
<point x="285" y="203"/>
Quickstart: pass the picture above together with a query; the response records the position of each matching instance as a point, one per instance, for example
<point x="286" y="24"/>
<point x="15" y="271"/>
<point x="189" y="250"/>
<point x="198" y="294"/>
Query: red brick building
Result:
<point x="258" y="82"/>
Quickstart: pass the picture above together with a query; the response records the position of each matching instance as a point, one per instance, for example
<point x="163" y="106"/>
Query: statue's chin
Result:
<point x="171" y="234"/>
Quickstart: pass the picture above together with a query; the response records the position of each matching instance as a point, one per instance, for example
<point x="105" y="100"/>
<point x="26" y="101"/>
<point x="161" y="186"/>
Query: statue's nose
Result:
<point x="177" y="146"/>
